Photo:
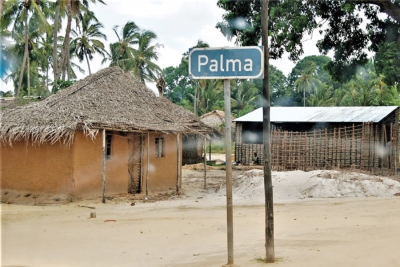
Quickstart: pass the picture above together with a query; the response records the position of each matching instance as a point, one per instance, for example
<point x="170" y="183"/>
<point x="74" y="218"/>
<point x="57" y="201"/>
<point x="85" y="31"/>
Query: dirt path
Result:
<point x="191" y="231"/>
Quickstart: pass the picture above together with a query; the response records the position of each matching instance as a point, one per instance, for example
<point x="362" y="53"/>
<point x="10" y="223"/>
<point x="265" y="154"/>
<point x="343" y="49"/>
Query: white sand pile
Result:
<point x="295" y="185"/>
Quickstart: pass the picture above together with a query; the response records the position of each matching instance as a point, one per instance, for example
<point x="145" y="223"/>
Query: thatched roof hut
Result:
<point x="216" y="120"/>
<point x="109" y="99"/>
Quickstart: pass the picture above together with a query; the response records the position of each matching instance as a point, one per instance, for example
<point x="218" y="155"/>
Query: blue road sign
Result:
<point x="244" y="62"/>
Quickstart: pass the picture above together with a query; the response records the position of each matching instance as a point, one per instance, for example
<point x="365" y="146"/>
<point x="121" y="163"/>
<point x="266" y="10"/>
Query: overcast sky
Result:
<point x="179" y="24"/>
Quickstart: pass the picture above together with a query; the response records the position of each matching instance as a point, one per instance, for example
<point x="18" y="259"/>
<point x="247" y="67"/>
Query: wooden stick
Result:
<point x="205" y="163"/>
<point x="307" y="152"/>
<point x="352" y="144"/>
<point x="315" y="150"/>
<point x="326" y="148"/>
<point x="104" y="165"/>
<point x="390" y="151"/>
<point x="362" y="145"/>
<point x="178" y="165"/>
<point x="345" y="148"/>
<point x="148" y="163"/>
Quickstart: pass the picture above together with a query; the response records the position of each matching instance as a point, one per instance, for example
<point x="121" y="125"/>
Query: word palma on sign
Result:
<point x="214" y="64"/>
<point x="244" y="62"/>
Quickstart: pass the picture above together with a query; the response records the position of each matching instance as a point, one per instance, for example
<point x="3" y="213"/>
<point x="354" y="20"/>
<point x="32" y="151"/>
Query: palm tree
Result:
<point x="72" y="8"/>
<point x="86" y="42"/>
<point x="144" y="69"/>
<point x="244" y="97"/>
<point x="322" y="97"/>
<point x="358" y="93"/>
<point x="45" y="58"/>
<point x="134" y="52"/>
<point x="200" y="83"/>
<point x="307" y="80"/>
<point x="18" y="12"/>
<point x="210" y="96"/>
<point x="338" y="95"/>
<point x="384" y="95"/>
<point x="35" y="57"/>
<point x="122" y="51"/>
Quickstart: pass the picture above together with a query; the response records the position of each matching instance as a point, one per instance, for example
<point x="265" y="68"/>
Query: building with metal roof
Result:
<point x="322" y="114"/>
<point x="323" y="137"/>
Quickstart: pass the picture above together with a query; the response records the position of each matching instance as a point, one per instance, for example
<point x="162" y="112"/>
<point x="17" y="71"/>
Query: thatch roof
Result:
<point x="216" y="120"/>
<point x="109" y="99"/>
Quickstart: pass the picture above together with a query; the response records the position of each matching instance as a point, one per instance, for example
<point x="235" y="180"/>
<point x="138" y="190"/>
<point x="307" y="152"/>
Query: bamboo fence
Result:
<point x="369" y="147"/>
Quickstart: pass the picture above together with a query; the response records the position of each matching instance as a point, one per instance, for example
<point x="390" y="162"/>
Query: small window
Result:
<point x="159" y="147"/>
<point x="108" y="146"/>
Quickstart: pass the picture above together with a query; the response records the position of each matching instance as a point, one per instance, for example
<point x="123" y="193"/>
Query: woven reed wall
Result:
<point x="363" y="147"/>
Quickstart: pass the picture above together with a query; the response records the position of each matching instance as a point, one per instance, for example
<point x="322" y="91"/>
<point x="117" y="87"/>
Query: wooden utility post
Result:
<point x="202" y="65"/>
<point x="269" y="201"/>
<point x="228" y="161"/>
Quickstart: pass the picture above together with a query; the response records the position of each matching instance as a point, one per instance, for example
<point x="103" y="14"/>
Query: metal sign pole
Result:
<point x="229" y="208"/>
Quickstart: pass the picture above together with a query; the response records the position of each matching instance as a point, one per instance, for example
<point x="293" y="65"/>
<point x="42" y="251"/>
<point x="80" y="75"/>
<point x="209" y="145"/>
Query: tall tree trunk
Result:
<point x="269" y="203"/>
<point x="21" y="74"/>
<point x="140" y="75"/>
<point x="47" y="78"/>
<point x="28" y="74"/>
<point x="65" y="52"/>
<point x="1" y="7"/>
<point x="55" y="48"/>
<point x="88" y="65"/>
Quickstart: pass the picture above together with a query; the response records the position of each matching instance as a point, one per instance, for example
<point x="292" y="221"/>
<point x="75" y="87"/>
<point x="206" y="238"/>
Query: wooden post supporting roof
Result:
<point x="205" y="163"/>
<point x="148" y="162"/>
<point x="104" y="165"/>
<point x="178" y="152"/>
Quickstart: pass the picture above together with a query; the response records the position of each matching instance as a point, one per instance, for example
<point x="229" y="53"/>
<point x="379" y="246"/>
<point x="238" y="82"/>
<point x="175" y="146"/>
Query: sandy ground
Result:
<point x="321" y="219"/>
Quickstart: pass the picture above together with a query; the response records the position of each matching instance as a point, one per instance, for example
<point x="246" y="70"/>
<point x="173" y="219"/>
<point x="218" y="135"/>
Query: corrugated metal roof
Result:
<point x="321" y="114"/>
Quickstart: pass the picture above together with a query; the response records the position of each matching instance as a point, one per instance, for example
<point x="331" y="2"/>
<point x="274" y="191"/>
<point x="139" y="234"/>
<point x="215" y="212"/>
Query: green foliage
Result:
<point x="387" y="62"/>
<point x="135" y="52"/>
<point x="86" y="42"/>
<point x="60" y="84"/>
<point x="6" y="94"/>
<point x="245" y="97"/>
<point x="179" y="88"/>
<point x="340" y="22"/>
<point x="307" y="81"/>
<point x="25" y="28"/>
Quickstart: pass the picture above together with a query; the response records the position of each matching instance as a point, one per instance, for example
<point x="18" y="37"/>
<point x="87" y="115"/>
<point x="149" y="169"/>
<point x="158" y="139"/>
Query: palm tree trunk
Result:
<point x="87" y="60"/>
<point x="21" y="74"/>
<point x="1" y="7"/>
<point x="55" y="50"/>
<point x="28" y="73"/>
<point x="140" y="75"/>
<point x="304" y="96"/>
<point x="67" y="52"/>
<point x="65" y="57"/>
<point x="47" y="78"/>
